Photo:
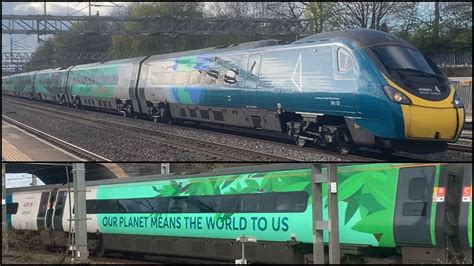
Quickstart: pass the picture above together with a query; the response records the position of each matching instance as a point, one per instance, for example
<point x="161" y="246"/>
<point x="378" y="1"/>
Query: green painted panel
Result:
<point x="365" y="210"/>
<point x="94" y="82"/>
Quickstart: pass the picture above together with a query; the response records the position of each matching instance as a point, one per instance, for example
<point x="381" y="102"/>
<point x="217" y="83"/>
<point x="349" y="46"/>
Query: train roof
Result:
<point x="364" y="37"/>
<point x="215" y="172"/>
<point x="218" y="49"/>
<point x="111" y="62"/>
<point x="52" y="70"/>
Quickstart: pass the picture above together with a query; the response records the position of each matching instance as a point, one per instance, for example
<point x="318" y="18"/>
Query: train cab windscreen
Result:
<point x="413" y="71"/>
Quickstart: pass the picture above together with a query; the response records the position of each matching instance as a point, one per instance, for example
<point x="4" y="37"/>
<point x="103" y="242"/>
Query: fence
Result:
<point x="463" y="86"/>
<point x="452" y="59"/>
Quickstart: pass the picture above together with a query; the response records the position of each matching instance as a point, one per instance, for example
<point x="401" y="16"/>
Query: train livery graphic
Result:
<point x="398" y="212"/>
<point x="349" y="89"/>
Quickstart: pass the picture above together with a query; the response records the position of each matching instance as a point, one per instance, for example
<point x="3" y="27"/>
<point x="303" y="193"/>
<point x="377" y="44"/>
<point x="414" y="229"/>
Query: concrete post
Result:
<point x="4" y="212"/>
<point x="332" y="224"/>
<point x="333" y="215"/>
<point x="318" y="225"/>
<point x="165" y="168"/>
<point x="80" y="217"/>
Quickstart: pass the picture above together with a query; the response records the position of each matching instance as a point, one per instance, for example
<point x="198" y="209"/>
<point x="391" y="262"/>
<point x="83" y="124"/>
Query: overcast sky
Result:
<point x="20" y="180"/>
<point x="28" y="43"/>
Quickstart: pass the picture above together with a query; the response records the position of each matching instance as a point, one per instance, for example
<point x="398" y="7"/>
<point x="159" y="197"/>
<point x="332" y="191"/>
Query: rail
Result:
<point x="463" y="86"/>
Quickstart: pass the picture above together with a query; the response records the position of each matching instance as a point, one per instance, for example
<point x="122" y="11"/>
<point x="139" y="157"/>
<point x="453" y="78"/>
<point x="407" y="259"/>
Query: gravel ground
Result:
<point x="124" y="148"/>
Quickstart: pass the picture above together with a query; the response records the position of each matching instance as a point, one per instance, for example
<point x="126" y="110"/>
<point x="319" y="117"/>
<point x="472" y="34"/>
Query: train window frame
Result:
<point x="231" y="203"/>
<point x="415" y="188"/>
<point x="194" y="77"/>
<point x="234" y="78"/>
<point x="12" y="208"/>
<point x="252" y="198"/>
<point x="340" y="51"/>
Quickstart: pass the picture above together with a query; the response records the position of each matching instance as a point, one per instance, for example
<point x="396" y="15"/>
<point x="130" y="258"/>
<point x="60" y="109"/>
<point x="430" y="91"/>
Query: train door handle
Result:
<point x="229" y="98"/>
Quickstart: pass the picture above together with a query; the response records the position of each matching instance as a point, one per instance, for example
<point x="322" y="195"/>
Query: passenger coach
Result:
<point x="350" y="89"/>
<point x="387" y="212"/>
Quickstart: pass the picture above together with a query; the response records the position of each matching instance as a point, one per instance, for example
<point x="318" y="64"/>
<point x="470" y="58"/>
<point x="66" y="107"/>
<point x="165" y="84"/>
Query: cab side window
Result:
<point x="344" y="60"/>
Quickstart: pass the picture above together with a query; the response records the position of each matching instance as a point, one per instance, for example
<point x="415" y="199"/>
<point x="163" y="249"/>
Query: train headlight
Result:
<point x="396" y="95"/>
<point x="457" y="100"/>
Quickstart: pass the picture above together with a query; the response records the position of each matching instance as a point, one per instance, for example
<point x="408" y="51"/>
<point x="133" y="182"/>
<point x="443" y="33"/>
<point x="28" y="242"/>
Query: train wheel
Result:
<point x="300" y="142"/>
<point x="100" y="251"/>
<point x="344" y="142"/>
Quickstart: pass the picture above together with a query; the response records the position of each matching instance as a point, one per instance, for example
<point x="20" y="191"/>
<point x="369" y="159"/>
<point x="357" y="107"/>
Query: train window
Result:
<point x="195" y="77"/>
<point x="12" y="208"/>
<point x="156" y="78"/>
<point x="288" y="202"/>
<point x="249" y="203"/>
<point x="177" y="204"/>
<point x="43" y="204"/>
<point x="417" y="188"/>
<point x="209" y="204"/>
<point x="167" y="78"/>
<point x="228" y="204"/>
<point x="181" y="77"/>
<point x="344" y="60"/>
<point x="291" y="202"/>
<point x="212" y="76"/>
<point x="231" y="75"/>
<point x="254" y="68"/>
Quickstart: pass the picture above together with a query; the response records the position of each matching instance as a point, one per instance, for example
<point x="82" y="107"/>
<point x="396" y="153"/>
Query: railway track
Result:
<point x="188" y="144"/>
<point x="459" y="147"/>
<point x="69" y="147"/>
<point x="206" y="149"/>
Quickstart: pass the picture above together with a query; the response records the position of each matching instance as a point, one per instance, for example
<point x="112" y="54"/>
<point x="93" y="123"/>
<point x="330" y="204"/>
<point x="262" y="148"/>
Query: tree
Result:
<point x="320" y="12"/>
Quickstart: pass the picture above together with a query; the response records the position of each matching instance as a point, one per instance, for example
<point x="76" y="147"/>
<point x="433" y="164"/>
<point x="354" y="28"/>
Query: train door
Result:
<point x="413" y="206"/>
<point x="50" y="210"/>
<point x="465" y="212"/>
<point x="58" y="211"/>
<point x="345" y="74"/>
<point x="253" y="71"/>
<point x="44" y="202"/>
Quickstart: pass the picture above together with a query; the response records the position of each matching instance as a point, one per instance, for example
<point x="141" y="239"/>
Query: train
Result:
<point x="388" y="212"/>
<point x="344" y="89"/>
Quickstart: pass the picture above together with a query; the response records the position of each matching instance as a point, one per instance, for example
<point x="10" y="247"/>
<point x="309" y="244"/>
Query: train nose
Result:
<point x="422" y="122"/>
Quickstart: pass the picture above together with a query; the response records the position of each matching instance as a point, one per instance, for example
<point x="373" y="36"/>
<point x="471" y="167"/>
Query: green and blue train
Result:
<point x="350" y="89"/>
<point x="387" y="212"/>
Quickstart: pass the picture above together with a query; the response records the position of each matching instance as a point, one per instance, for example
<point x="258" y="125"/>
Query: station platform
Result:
<point x="19" y="145"/>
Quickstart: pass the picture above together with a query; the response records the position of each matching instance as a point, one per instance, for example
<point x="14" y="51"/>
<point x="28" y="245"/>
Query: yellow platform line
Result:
<point x="10" y="153"/>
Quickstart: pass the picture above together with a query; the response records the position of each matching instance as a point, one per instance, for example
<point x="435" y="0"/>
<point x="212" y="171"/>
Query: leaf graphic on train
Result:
<point x="351" y="209"/>
<point x="352" y="185"/>
<point x="205" y="188"/>
<point x="192" y="188"/>
<point x="227" y="216"/>
<point x="368" y="201"/>
<point x="167" y="190"/>
<point x="175" y="185"/>
<point x="289" y="180"/>
<point x="155" y="188"/>
<point x="229" y="181"/>
<point x="267" y="184"/>
<point x="248" y="190"/>
<point x="295" y="187"/>
<point x="258" y="175"/>
<point x="238" y="187"/>
<point x="253" y="184"/>
<point x="382" y="196"/>
<point x="376" y="223"/>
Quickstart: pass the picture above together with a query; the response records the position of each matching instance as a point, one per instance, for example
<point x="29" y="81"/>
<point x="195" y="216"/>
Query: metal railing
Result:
<point x="463" y="86"/>
<point x="452" y="59"/>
